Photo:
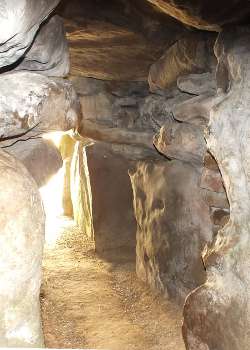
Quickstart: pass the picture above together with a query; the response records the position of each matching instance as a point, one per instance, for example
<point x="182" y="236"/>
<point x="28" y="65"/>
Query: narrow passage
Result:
<point x="98" y="303"/>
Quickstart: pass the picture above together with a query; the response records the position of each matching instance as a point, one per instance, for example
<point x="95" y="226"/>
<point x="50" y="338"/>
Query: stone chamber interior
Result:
<point x="125" y="181"/>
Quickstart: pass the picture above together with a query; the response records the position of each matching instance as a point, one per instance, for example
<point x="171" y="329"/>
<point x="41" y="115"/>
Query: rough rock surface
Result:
<point x="205" y="14"/>
<point x="216" y="315"/>
<point x="181" y="141"/>
<point x="30" y="100"/>
<point x="124" y="114"/>
<point x="81" y="191"/>
<point x="49" y="53"/>
<point x="112" y="198"/>
<point x="40" y="157"/>
<point x="173" y="226"/>
<point x="107" y="38"/>
<point x="181" y="136"/>
<point x="191" y="54"/>
<point x="19" y="22"/>
<point x="138" y="15"/>
<point x="197" y="84"/>
<point x="105" y="51"/>
<point x="22" y="238"/>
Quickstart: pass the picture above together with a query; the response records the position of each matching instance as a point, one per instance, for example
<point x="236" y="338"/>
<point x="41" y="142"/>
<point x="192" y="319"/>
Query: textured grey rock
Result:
<point x="195" y="110"/>
<point x="182" y="141"/>
<point x="49" y="53"/>
<point x="22" y="237"/>
<point x="155" y="110"/>
<point x="216" y="315"/>
<point x="29" y="99"/>
<point x="19" y="22"/>
<point x="173" y="226"/>
<point x="197" y="84"/>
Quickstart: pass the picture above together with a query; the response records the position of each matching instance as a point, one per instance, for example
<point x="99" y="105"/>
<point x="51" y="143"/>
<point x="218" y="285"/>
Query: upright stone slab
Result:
<point x="173" y="226"/>
<point x="22" y="237"/>
<point x="80" y="189"/>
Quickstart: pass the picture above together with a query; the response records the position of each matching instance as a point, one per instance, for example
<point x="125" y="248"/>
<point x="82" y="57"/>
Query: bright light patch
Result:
<point x="55" y="137"/>
<point x="52" y="194"/>
<point x="52" y="200"/>
<point x="23" y="333"/>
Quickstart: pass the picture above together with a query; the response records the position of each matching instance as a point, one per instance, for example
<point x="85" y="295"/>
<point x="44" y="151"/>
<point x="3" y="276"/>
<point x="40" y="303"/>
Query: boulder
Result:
<point x="20" y="20"/>
<point x="181" y="141"/>
<point x="195" y="110"/>
<point x="173" y="226"/>
<point x="22" y="238"/>
<point x="191" y="54"/>
<point x="49" y="53"/>
<point x="30" y="100"/>
<point x="197" y="84"/>
<point x="156" y="110"/>
<point x="216" y="315"/>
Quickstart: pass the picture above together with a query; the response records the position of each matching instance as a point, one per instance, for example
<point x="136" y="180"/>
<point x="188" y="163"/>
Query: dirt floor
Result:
<point x="98" y="303"/>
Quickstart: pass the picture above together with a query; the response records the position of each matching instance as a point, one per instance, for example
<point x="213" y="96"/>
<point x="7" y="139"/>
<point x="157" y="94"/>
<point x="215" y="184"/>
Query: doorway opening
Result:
<point x="91" y="297"/>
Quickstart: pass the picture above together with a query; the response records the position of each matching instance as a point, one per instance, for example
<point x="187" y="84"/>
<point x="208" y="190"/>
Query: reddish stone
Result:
<point x="212" y="181"/>
<point x="210" y="162"/>
<point x="215" y="199"/>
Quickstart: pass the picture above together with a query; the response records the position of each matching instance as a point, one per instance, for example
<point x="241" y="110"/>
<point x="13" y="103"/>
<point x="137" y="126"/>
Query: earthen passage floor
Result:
<point x="92" y="302"/>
